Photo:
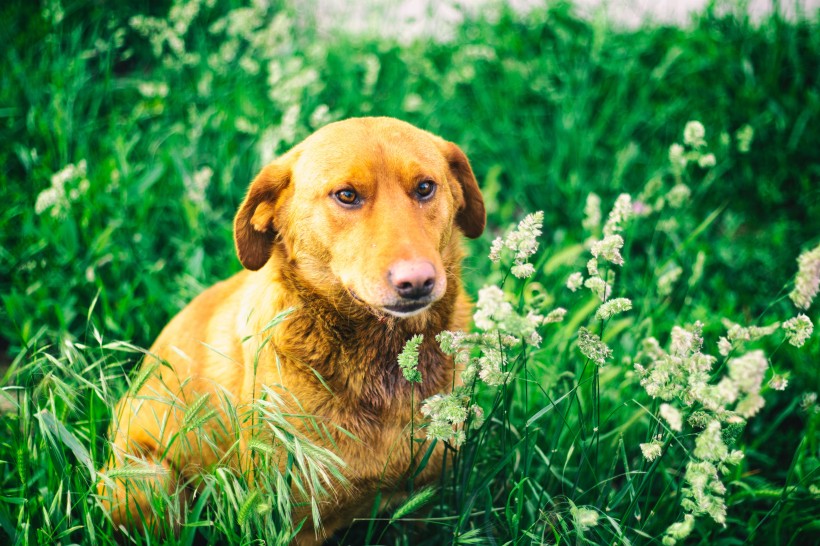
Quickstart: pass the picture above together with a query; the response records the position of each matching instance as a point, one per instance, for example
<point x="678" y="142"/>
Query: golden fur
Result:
<point x="334" y="355"/>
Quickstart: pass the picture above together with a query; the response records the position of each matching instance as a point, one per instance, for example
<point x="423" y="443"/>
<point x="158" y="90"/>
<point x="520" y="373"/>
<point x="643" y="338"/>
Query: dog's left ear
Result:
<point x="254" y="231"/>
<point x="471" y="216"/>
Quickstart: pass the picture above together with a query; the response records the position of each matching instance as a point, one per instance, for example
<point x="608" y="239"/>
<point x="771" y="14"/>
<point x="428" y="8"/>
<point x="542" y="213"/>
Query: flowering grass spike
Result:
<point x="807" y="281"/>
<point x="575" y="281"/>
<point x="621" y="213"/>
<point x="798" y="329"/>
<point x="592" y="347"/>
<point x="409" y="359"/>
<point x="609" y="248"/>
<point x="613" y="307"/>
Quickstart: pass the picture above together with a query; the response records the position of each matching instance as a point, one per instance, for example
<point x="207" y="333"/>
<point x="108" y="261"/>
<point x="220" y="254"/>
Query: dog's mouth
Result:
<point x="400" y="309"/>
<point x="407" y="309"/>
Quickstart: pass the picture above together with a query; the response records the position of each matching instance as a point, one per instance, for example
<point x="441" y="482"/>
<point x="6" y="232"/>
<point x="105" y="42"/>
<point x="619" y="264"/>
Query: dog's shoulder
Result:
<point x="205" y="326"/>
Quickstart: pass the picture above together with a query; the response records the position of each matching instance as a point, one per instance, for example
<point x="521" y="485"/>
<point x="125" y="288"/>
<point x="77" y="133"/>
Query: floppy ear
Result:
<point x="471" y="216"/>
<point x="253" y="229"/>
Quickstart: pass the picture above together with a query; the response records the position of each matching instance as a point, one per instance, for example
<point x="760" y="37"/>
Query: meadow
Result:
<point x="643" y="368"/>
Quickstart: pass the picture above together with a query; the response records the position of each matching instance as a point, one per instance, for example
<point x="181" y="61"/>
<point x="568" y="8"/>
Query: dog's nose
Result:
<point x="412" y="280"/>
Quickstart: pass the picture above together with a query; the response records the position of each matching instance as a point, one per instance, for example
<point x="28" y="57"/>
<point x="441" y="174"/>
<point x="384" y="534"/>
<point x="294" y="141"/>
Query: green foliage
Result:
<point x="130" y="135"/>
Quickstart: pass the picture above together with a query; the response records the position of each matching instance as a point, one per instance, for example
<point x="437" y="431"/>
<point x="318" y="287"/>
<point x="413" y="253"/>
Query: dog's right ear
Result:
<point x="253" y="228"/>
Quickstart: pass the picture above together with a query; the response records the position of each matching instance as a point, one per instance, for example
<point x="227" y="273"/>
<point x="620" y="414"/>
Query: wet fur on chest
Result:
<point x="343" y="359"/>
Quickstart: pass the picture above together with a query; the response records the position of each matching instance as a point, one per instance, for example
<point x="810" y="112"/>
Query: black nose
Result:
<point x="413" y="280"/>
<point x="415" y="291"/>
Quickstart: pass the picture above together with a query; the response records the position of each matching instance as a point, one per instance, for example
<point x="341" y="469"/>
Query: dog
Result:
<point x="355" y="234"/>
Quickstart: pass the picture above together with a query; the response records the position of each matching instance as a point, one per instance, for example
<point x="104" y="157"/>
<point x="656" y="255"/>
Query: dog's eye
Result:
<point x="425" y="189"/>
<point x="347" y="197"/>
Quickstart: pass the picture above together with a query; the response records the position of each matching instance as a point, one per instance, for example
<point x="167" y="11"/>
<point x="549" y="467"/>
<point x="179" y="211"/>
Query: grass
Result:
<point x="164" y="139"/>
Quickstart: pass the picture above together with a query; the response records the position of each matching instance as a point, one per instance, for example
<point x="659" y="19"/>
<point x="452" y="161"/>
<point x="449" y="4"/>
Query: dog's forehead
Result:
<point x="362" y="148"/>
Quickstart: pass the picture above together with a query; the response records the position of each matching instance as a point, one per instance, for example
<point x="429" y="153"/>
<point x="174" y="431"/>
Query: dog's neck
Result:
<point x="353" y="349"/>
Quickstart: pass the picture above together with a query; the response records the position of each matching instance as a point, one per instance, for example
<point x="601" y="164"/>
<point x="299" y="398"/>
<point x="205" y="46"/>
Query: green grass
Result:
<point x="549" y="108"/>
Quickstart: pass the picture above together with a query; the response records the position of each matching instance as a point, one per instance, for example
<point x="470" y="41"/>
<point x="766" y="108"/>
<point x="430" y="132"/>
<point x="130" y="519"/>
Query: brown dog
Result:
<point x="357" y="231"/>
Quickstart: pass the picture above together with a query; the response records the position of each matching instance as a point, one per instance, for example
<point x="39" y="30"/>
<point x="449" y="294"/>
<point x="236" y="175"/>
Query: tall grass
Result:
<point x="129" y="137"/>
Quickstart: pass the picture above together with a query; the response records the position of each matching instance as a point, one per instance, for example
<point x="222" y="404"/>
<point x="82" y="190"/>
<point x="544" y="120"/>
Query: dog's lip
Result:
<point x="400" y="309"/>
<point x="408" y="308"/>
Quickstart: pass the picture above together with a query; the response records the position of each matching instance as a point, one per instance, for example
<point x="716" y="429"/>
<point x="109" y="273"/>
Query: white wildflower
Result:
<point x="592" y="212"/>
<point x="651" y="349"/>
<point x="59" y="196"/>
<point x="152" y="90"/>
<point x="556" y="315"/>
<point x="778" y="382"/>
<point x="495" y="249"/>
<point x="612" y="307"/>
<point x="651" y="450"/>
<point x="478" y="415"/>
<point x="693" y="134"/>
<point x="757" y="332"/>
<point x="196" y="186"/>
<point x="677" y="157"/>
<point x="506" y="339"/>
<point x="244" y="125"/>
<point x="575" y="281"/>
<point x="703" y="494"/>
<point x="450" y="342"/>
<point x="668" y="225"/>
<point x="592" y="347"/>
<point x="523" y="240"/>
<point x="678" y="195"/>
<point x="446" y="414"/>
<point x="621" y="213"/>
<point x="725" y="392"/>
<point x="679" y="531"/>
<point x="490" y="369"/>
<point x="736" y="332"/>
<point x="748" y="371"/>
<point x="686" y="341"/>
<point x="523" y="271"/>
<point x="321" y="116"/>
<point x="734" y="457"/>
<point x="440" y="430"/>
<point x="491" y="308"/>
<point x="470" y="373"/>
<point x="584" y="518"/>
<point x="750" y="405"/>
<point x="809" y="402"/>
<point x="412" y="102"/>
<point x="707" y="160"/>
<point x="709" y="444"/>
<point x="48" y="198"/>
<point x="699" y="419"/>
<point x="445" y="407"/>
<point x="609" y="249"/>
<point x="592" y="267"/>
<point x="643" y="209"/>
<point x="53" y="12"/>
<point x="798" y="329"/>
<point x="371" y="74"/>
<point x="724" y="346"/>
<point x="807" y="281"/>
<point x="599" y="287"/>
<point x="672" y="416"/>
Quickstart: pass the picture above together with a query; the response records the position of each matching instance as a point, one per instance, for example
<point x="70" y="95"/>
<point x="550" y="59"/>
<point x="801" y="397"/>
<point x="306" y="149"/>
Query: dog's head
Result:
<point x="365" y="207"/>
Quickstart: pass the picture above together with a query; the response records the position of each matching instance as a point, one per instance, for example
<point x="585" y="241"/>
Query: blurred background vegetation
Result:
<point x="130" y="131"/>
<point x="171" y="123"/>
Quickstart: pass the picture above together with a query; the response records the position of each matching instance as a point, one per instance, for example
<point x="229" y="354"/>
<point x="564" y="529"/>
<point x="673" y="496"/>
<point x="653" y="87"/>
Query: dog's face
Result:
<point x="364" y="208"/>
